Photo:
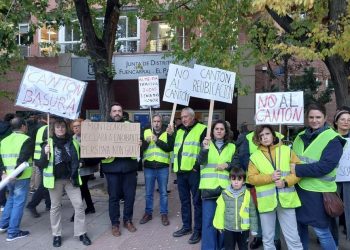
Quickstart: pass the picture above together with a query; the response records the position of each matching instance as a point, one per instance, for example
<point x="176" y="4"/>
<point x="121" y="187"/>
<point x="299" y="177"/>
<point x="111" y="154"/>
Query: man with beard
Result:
<point x="120" y="173"/>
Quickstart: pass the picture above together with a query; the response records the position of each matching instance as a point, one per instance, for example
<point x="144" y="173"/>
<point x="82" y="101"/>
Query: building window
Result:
<point x="24" y="39"/>
<point x="160" y="37"/>
<point x="48" y="40"/>
<point x="69" y="37"/>
<point x="128" y="38"/>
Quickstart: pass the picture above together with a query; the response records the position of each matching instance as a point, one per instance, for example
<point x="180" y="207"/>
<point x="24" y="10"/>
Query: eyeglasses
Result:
<point x="239" y="178"/>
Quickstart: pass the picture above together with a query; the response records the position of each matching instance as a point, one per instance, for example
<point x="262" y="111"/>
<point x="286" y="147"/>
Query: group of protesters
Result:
<point x="256" y="187"/>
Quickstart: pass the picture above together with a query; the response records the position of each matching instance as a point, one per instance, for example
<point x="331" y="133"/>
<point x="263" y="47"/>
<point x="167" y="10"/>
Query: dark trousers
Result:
<point x="39" y="194"/>
<point x="121" y="185"/>
<point x="85" y="192"/>
<point x="3" y="196"/>
<point x="187" y="184"/>
<point x="232" y="238"/>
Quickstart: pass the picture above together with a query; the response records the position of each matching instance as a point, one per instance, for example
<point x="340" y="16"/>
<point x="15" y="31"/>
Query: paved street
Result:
<point x="152" y="235"/>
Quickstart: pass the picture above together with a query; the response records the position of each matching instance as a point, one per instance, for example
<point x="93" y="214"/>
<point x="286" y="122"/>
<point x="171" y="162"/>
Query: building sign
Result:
<point x="127" y="67"/>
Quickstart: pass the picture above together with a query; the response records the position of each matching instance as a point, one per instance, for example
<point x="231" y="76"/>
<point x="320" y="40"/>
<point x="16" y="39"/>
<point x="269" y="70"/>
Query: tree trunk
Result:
<point x="340" y="71"/>
<point x="105" y="91"/>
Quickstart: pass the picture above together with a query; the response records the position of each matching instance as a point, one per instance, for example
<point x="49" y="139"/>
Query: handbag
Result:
<point x="333" y="204"/>
<point x="208" y="194"/>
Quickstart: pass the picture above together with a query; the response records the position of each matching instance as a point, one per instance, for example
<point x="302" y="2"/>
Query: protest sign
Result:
<point x="149" y="91"/>
<point x="279" y="108"/>
<point x="110" y="139"/>
<point x="51" y="93"/>
<point x="343" y="170"/>
<point x="177" y="85"/>
<point x="213" y="83"/>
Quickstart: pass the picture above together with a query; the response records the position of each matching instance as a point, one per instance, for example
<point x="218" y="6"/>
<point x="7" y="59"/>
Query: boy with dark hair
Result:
<point x="235" y="213"/>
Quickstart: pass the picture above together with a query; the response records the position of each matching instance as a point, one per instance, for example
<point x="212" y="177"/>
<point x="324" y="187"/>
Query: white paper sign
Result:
<point x="213" y="84"/>
<point x="13" y="174"/>
<point x="51" y="93"/>
<point x="149" y="91"/>
<point x="279" y="108"/>
<point x="177" y="85"/>
<point x="343" y="170"/>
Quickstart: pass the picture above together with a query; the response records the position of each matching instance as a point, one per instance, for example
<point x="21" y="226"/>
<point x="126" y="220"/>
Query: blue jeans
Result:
<point x="212" y="239"/>
<point x="188" y="184"/>
<point x="13" y="211"/>
<point x="323" y="234"/>
<point x="161" y="175"/>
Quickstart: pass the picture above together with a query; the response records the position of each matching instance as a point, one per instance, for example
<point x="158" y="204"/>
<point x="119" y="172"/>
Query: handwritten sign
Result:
<point x="51" y="93"/>
<point x="343" y="170"/>
<point x="279" y="108"/>
<point x="149" y="91"/>
<point x="177" y="85"/>
<point x="110" y="139"/>
<point x="213" y="84"/>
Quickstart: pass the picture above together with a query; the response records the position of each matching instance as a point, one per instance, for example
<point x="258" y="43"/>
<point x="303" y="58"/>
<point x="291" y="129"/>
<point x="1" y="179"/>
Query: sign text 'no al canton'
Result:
<point x="177" y="85"/>
<point x="279" y="108"/>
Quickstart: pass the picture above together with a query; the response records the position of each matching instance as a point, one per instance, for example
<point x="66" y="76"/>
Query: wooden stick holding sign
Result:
<point x="173" y="114"/>
<point x="48" y="133"/>
<point x="177" y="88"/>
<point x="150" y="117"/>
<point x="278" y="166"/>
<point x="210" y="117"/>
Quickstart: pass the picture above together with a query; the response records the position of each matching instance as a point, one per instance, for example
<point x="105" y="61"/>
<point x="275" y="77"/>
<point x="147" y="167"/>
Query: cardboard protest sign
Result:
<point x="52" y="93"/>
<point x="110" y="139"/>
<point x="343" y="170"/>
<point x="177" y="85"/>
<point x="149" y="91"/>
<point x="279" y="108"/>
<point x="213" y="84"/>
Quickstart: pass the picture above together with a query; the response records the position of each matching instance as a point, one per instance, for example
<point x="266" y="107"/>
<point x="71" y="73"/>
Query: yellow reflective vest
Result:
<point x="153" y="152"/>
<point x="48" y="177"/>
<point x="10" y="149"/>
<point x="313" y="154"/>
<point x="38" y="142"/>
<point x="190" y="148"/>
<point x="230" y="214"/>
<point x="267" y="194"/>
<point x="211" y="177"/>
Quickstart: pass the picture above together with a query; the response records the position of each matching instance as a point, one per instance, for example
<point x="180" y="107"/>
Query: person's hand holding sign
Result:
<point x="170" y="129"/>
<point x="206" y="142"/>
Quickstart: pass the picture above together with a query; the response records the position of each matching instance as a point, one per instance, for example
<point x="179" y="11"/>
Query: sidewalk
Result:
<point x="152" y="235"/>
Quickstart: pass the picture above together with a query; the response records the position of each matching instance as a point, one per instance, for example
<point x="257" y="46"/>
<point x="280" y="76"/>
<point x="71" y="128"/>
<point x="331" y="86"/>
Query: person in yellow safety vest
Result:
<point x="188" y="138"/>
<point x="15" y="149"/>
<point x="216" y="157"/>
<point x="235" y="213"/>
<point x="319" y="148"/>
<point x="269" y="171"/>
<point x="156" y="158"/>
<point x="247" y="148"/>
<point x="41" y="192"/>
<point x="61" y="172"/>
<point x="121" y="175"/>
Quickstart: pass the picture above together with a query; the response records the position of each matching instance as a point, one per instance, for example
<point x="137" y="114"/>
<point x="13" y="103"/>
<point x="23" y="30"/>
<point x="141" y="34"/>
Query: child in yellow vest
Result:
<point x="235" y="213"/>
